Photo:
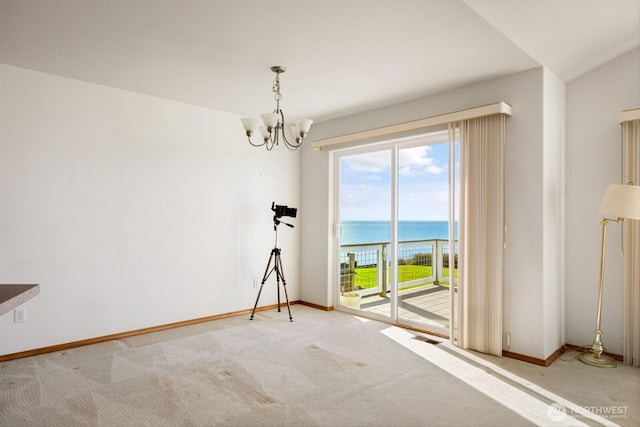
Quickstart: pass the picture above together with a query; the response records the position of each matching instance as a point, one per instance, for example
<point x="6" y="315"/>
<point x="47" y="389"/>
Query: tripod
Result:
<point x="277" y="267"/>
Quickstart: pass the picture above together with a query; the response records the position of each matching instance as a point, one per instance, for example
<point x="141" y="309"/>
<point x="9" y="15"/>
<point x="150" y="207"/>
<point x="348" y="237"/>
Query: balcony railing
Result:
<point x="365" y="268"/>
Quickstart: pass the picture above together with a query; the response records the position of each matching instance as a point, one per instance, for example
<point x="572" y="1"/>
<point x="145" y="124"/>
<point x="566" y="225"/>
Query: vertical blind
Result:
<point x="482" y="217"/>
<point x="631" y="245"/>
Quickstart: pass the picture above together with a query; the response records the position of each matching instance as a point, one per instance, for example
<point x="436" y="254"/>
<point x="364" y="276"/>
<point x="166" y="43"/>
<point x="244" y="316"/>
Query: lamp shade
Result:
<point x="250" y="125"/>
<point x="621" y="201"/>
<point x="304" y="125"/>
<point x="270" y="119"/>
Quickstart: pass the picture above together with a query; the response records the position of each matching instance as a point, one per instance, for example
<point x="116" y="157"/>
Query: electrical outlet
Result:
<point x="19" y="315"/>
<point x="255" y="283"/>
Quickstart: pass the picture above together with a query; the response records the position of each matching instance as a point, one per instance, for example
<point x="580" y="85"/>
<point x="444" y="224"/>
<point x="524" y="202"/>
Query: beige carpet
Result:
<point x="324" y="369"/>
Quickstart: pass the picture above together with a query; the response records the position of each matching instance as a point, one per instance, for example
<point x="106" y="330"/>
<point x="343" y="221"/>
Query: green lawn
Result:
<point x="367" y="277"/>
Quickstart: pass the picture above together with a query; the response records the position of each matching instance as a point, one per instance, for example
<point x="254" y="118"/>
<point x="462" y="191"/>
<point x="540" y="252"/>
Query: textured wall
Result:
<point x="131" y="211"/>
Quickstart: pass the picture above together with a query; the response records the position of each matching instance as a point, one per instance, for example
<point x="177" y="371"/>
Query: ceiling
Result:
<point x="342" y="56"/>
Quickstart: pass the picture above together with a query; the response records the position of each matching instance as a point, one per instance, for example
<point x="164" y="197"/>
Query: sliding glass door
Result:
<point x="425" y="221"/>
<point x="365" y="230"/>
<point x="396" y="220"/>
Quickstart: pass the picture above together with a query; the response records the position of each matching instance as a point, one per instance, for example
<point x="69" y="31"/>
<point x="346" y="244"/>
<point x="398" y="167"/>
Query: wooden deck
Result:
<point x="428" y="304"/>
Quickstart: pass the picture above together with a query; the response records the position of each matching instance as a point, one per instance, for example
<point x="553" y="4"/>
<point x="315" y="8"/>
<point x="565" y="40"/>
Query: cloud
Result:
<point x="416" y="156"/>
<point x="362" y="202"/>
<point x="434" y="169"/>
<point x="412" y="162"/>
<point x="365" y="184"/>
<point x="416" y="161"/>
<point x="406" y="171"/>
<point x="369" y="162"/>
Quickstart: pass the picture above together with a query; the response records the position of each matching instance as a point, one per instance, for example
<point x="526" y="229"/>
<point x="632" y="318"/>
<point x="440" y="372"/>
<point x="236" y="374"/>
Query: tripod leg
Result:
<point x="264" y="279"/>
<point x="284" y="285"/>
<point x="278" y="280"/>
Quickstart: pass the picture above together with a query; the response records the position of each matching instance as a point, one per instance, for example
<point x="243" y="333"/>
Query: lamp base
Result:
<point x="601" y="361"/>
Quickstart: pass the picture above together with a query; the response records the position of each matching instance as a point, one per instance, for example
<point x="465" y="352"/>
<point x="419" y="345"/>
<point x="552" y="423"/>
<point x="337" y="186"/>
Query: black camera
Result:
<point x="282" y="210"/>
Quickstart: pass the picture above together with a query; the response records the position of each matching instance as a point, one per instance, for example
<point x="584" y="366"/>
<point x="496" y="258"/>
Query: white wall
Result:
<point x="594" y="103"/>
<point x="131" y="211"/>
<point x="525" y="271"/>
<point x="553" y="212"/>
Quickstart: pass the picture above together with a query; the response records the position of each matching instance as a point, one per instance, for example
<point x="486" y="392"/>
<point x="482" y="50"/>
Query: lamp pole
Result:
<point x="595" y="357"/>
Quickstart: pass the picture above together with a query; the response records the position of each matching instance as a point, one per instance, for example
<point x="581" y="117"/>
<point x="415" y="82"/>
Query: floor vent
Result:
<point x="425" y="339"/>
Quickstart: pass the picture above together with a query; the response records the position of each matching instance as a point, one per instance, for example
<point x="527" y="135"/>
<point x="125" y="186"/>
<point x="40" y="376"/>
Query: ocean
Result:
<point x="363" y="232"/>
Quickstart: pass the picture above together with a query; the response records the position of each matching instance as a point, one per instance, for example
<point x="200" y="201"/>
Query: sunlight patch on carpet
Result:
<point x="527" y="406"/>
<point x="564" y="403"/>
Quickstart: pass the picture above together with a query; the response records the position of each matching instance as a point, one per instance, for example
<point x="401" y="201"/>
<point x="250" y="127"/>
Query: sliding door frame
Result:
<point x="393" y="145"/>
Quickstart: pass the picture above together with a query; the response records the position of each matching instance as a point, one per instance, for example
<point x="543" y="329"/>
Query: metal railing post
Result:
<point x="382" y="270"/>
<point x="437" y="262"/>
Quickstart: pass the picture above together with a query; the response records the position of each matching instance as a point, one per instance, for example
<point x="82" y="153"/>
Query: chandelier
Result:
<point x="272" y="126"/>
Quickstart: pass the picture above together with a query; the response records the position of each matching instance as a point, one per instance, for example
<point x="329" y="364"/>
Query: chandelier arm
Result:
<point x="287" y="144"/>
<point x="255" y="145"/>
<point x="291" y="146"/>
<point x="284" y="137"/>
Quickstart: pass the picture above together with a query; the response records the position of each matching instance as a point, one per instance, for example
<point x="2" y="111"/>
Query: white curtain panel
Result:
<point x="631" y="243"/>
<point x="481" y="233"/>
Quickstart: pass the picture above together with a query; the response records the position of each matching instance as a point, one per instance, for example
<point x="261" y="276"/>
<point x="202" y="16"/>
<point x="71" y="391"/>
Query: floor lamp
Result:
<point x="622" y="202"/>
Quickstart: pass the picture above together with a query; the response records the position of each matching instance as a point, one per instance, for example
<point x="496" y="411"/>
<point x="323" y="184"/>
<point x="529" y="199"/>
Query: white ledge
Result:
<point x="441" y="119"/>
<point x="11" y="296"/>
<point x="629" y="115"/>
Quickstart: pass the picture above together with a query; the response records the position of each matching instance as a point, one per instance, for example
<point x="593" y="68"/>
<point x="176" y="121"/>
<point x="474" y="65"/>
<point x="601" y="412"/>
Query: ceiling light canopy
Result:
<point x="272" y="126"/>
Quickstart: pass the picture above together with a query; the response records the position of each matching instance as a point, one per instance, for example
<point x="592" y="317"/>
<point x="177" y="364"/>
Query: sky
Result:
<point x="423" y="182"/>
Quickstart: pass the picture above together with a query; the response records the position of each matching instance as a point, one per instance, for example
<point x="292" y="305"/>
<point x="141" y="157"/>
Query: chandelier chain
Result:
<point x="276" y="88"/>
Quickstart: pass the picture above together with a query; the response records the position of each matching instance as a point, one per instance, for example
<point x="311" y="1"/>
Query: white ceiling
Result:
<point x="342" y="56"/>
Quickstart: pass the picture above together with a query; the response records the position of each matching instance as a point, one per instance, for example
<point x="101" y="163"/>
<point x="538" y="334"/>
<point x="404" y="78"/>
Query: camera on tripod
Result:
<point x="275" y="263"/>
<point x="282" y="210"/>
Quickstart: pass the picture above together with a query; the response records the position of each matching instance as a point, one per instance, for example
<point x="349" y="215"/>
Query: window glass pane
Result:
<point x="365" y="197"/>
<point x="423" y="233"/>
